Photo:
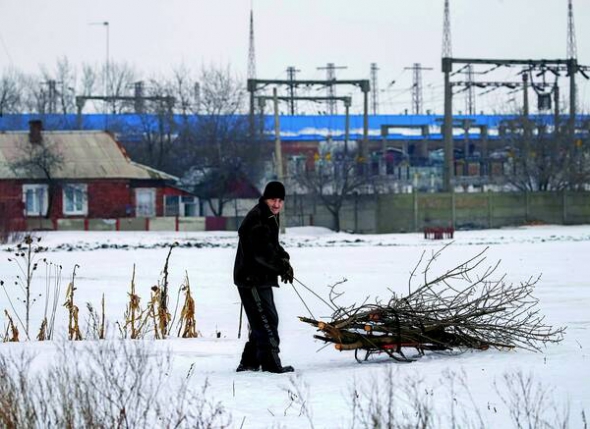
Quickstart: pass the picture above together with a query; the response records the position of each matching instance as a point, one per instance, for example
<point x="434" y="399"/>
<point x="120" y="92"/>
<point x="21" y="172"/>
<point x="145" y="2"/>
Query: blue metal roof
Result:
<point x="293" y="128"/>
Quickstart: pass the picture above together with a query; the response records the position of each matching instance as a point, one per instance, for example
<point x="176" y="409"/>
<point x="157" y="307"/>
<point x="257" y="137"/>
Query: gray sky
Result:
<point x="157" y="35"/>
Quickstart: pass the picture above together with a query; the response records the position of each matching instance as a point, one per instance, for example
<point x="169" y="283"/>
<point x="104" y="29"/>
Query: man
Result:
<point x="260" y="259"/>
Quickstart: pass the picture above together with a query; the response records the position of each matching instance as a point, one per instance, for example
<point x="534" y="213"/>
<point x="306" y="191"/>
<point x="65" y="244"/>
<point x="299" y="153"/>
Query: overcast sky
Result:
<point x="157" y="35"/>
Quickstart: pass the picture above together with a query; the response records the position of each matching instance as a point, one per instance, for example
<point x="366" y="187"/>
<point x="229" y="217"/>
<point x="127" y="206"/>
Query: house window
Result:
<point x="35" y="200"/>
<point x="145" y="202"/>
<point x="75" y="199"/>
<point x="176" y="205"/>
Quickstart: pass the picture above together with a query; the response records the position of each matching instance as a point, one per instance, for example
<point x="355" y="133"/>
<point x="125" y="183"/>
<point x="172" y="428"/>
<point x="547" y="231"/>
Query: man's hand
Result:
<point x="287" y="275"/>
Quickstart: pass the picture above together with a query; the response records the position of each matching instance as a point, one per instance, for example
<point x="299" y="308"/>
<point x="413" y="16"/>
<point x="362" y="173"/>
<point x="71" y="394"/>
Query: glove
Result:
<point x="287" y="275"/>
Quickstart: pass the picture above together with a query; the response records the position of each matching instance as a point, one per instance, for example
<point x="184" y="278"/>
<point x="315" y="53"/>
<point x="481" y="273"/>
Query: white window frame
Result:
<point x="38" y="190"/>
<point x="182" y="203"/>
<point x="80" y="193"/>
<point x="145" y="210"/>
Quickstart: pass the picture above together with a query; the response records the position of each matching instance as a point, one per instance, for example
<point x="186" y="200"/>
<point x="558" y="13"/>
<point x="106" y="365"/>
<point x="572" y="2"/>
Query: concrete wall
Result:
<point x="413" y="212"/>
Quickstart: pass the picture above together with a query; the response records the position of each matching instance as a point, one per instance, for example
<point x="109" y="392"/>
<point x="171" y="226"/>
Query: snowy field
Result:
<point x="320" y="392"/>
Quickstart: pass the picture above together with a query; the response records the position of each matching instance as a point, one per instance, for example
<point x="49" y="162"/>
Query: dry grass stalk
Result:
<point x="163" y="314"/>
<point x="11" y="335"/>
<point x="101" y="332"/>
<point x="42" y="335"/>
<point x="73" y="324"/>
<point x="187" y="323"/>
<point x="153" y="312"/>
<point x="133" y="313"/>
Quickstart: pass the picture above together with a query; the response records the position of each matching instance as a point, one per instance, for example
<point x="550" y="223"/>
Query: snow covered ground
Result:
<point x="373" y="265"/>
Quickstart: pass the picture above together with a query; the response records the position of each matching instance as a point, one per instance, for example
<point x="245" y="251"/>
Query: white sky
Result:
<point x="157" y="35"/>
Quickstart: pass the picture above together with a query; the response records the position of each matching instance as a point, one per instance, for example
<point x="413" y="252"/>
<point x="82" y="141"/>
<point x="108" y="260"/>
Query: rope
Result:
<point x="330" y="306"/>
<point x="304" y="304"/>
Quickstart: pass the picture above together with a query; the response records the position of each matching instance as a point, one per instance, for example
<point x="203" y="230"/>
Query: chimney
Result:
<point x="35" y="129"/>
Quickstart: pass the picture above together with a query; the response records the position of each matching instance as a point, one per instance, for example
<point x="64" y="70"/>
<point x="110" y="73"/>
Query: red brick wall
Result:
<point x="107" y="199"/>
<point x="110" y="199"/>
<point x="11" y="199"/>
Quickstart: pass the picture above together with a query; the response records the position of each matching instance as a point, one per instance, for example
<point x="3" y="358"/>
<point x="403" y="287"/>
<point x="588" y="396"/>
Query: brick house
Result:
<point x="87" y="176"/>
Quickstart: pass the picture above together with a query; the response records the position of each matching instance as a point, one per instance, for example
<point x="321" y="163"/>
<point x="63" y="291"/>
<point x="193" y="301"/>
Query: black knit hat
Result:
<point x="274" y="190"/>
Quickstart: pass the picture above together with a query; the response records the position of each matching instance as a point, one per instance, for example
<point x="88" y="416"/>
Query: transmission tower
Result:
<point x="52" y="96"/>
<point x="572" y="50"/>
<point x="251" y="52"/>
<point x="417" y="87"/>
<point x="374" y="89"/>
<point x="447" y="51"/>
<point x="331" y="76"/>
<point x="291" y="72"/>
<point x="197" y="96"/>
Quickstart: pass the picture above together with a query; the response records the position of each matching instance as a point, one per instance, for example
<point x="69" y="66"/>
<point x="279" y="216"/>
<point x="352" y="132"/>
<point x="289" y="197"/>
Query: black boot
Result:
<point x="249" y="361"/>
<point x="241" y="368"/>
<point x="272" y="363"/>
<point x="279" y="369"/>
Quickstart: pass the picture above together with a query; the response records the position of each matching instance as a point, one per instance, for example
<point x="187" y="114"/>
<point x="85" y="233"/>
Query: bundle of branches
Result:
<point x="468" y="306"/>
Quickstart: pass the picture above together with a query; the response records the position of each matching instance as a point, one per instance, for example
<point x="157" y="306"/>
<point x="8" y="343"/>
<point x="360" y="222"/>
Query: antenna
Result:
<point x="447" y="50"/>
<point x="572" y="50"/>
<point x="251" y="52"/>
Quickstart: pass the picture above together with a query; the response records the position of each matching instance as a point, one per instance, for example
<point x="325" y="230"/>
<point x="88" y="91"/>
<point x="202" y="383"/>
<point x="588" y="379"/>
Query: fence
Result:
<point x="416" y="211"/>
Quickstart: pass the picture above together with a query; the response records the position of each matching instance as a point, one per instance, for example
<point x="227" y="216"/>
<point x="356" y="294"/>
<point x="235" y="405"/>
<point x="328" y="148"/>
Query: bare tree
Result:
<point x="217" y="150"/>
<point x="158" y="128"/>
<point x="544" y="159"/>
<point x="334" y="180"/>
<point x="121" y="78"/>
<point x="40" y="159"/>
<point x="184" y="89"/>
<point x="11" y="87"/>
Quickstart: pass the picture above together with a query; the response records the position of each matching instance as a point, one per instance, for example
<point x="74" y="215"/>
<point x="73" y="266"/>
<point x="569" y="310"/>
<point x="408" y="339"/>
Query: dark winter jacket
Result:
<point x="260" y="258"/>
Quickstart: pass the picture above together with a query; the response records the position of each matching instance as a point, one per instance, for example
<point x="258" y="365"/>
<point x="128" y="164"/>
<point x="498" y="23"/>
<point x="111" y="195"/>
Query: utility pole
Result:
<point x="278" y="151"/>
<point x="572" y="55"/>
<point x="291" y="72"/>
<point x="138" y="102"/>
<point x="374" y="89"/>
<point x="107" y="76"/>
<point x="470" y="96"/>
<point x="447" y="68"/>
<point x="417" y="105"/>
<point x="331" y="77"/>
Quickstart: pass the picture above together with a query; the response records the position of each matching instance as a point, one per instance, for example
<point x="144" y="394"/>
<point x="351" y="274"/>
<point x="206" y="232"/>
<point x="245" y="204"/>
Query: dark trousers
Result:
<point x="262" y="347"/>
